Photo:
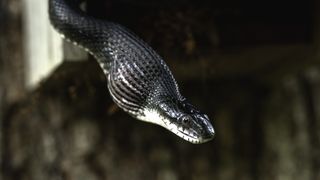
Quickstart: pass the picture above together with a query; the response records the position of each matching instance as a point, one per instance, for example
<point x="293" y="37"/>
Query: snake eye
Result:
<point x="185" y="120"/>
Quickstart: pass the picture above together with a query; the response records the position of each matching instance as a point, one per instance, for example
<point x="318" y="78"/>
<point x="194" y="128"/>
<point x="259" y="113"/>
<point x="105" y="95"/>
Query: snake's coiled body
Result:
<point x="138" y="79"/>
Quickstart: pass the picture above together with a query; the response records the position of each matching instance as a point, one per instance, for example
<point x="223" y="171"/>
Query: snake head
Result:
<point x="184" y="120"/>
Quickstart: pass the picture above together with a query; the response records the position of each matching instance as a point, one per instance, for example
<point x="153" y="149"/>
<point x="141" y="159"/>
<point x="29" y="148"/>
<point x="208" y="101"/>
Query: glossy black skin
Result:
<point x="138" y="78"/>
<point x="193" y="125"/>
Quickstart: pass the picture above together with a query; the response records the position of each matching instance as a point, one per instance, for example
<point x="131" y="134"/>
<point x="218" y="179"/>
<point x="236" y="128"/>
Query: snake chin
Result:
<point x="188" y="133"/>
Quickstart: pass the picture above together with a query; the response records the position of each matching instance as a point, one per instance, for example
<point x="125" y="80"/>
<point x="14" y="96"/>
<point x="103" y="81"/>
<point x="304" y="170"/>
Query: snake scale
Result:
<point x="139" y="81"/>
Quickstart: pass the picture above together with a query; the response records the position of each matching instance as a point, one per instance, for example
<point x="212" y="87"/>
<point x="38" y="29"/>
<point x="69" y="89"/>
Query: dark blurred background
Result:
<point x="252" y="66"/>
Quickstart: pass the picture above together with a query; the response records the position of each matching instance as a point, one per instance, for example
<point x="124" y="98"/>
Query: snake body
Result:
<point x="139" y="81"/>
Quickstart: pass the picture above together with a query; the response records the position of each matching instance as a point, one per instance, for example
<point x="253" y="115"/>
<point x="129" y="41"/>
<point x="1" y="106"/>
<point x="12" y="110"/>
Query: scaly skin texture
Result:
<point x="139" y="81"/>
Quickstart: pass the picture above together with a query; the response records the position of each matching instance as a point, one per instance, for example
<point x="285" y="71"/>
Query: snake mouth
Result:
<point x="190" y="135"/>
<point x="191" y="138"/>
<point x="195" y="133"/>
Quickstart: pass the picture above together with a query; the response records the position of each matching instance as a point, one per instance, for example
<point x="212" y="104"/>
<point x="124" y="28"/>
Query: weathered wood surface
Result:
<point x="43" y="46"/>
<point x="263" y="96"/>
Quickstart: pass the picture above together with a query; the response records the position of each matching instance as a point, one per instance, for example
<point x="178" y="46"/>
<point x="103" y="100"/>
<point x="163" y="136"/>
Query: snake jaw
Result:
<point x="197" y="129"/>
<point x="191" y="135"/>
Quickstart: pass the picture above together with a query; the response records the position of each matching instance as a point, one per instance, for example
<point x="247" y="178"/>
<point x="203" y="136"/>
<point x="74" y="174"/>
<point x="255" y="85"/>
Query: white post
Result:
<point x="44" y="48"/>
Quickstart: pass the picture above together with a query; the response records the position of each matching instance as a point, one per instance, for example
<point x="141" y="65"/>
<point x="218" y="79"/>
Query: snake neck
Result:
<point x="91" y="34"/>
<point x="137" y="75"/>
<point x="139" y="81"/>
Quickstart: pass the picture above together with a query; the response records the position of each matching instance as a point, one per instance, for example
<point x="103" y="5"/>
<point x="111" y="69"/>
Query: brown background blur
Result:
<point x="252" y="66"/>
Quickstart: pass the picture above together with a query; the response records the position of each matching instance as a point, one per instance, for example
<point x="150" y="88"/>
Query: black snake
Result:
<point x="139" y="81"/>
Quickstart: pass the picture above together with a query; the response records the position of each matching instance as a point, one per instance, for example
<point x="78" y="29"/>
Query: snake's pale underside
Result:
<point x="139" y="81"/>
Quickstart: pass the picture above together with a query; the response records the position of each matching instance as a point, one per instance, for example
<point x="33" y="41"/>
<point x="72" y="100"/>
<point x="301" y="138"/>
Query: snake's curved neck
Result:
<point x="139" y="81"/>
<point x="84" y="31"/>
